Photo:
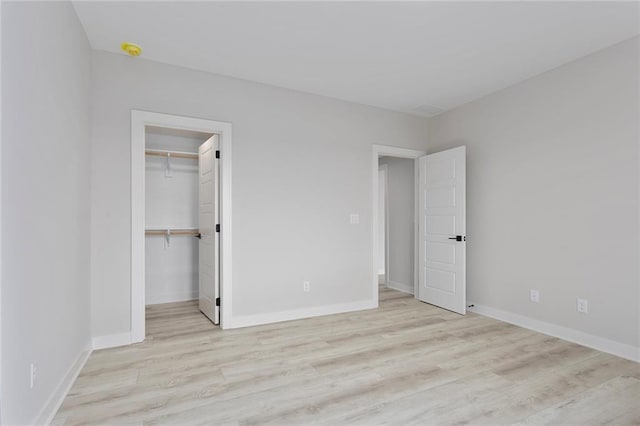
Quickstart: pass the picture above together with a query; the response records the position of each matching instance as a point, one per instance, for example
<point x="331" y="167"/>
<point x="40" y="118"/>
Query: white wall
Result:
<point x="553" y="193"/>
<point x="45" y="201"/>
<point x="171" y="270"/>
<point x="290" y="222"/>
<point x="382" y="217"/>
<point x="401" y="194"/>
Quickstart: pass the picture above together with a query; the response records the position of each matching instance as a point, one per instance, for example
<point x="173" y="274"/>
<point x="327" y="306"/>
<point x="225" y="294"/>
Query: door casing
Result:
<point x="139" y="120"/>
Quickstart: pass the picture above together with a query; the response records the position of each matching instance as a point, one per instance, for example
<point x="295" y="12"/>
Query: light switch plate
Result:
<point x="354" y="219"/>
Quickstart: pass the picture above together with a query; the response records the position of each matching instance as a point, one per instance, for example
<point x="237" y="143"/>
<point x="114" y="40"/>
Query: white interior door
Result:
<point x="442" y="229"/>
<point x="208" y="218"/>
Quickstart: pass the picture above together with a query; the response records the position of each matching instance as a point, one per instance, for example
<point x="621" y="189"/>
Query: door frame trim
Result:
<point x="139" y="120"/>
<point x="398" y="152"/>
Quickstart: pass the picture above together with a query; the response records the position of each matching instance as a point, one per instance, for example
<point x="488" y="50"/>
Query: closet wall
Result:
<point x="171" y="202"/>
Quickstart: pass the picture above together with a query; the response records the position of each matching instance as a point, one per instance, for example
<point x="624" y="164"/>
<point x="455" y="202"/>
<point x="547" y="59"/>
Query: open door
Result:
<point x="442" y="229"/>
<point x="208" y="218"/>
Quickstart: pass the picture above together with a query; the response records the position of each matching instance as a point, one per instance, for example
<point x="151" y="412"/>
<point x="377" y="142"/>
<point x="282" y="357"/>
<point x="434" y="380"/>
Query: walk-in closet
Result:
<point x="181" y="209"/>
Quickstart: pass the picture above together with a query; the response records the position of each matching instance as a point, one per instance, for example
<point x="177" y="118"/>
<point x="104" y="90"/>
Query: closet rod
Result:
<point x="165" y="232"/>
<point x="173" y="154"/>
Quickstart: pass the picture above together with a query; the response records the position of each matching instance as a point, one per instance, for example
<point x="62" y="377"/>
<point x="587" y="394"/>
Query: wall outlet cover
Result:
<point x="582" y="306"/>
<point x="32" y="375"/>
<point x="534" y="296"/>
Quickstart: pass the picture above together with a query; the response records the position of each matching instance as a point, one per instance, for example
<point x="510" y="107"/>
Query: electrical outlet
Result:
<point x="32" y="376"/>
<point x="534" y="295"/>
<point x="582" y="306"/>
<point x="306" y="286"/>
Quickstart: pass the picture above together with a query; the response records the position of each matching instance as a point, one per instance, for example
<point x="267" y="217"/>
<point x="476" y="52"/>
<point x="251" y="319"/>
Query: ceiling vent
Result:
<point x="428" y="110"/>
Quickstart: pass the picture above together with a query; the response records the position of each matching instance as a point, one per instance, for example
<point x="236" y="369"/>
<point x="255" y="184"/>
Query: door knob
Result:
<point x="458" y="238"/>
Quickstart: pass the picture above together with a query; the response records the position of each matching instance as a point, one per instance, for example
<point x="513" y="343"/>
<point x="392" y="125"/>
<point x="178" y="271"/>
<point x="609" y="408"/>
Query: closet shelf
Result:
<point x="171" y="154"/>
<point x="166" y="232"/>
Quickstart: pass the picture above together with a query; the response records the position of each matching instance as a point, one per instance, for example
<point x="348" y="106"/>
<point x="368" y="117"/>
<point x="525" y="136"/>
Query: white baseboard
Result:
<point x="51" y="407"/>
<point x="405" y="288"/>
<point x="170" y="298"/>
<point x="294" y="314"/>
<point x="622" y="350"/>
<point x="111" y="341"/>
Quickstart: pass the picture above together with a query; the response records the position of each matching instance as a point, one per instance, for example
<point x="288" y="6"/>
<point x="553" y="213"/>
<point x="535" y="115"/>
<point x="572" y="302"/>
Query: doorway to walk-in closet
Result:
<point x="181" y="215"/>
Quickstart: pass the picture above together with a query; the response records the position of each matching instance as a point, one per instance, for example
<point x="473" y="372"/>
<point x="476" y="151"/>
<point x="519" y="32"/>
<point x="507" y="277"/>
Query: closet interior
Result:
<point x="178" y="262"/>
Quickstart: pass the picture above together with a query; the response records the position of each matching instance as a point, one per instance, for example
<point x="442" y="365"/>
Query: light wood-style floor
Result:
<point x="404" y="363"/>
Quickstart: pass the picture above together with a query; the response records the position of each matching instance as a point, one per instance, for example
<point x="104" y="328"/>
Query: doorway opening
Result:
<point x="394" y="217"/>
<point x="435" y="218"/>
<point x="396" y="224"/>
<point x="181" y="206"/>
<point x="181" y="221"/>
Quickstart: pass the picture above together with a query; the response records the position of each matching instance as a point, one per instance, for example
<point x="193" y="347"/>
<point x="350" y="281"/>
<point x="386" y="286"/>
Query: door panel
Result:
<point x="208" y="217"/>
<point x="441" y="280"/>
<point x="441" y="252"/>
<point x="443" y="225"/>
<point x="442" y="192"/>
<point x="441" y="197"/>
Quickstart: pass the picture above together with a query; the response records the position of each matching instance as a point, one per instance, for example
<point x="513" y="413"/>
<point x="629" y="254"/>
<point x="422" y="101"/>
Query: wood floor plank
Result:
<point x="613" y="402"/>
<point x="406" y="362"/>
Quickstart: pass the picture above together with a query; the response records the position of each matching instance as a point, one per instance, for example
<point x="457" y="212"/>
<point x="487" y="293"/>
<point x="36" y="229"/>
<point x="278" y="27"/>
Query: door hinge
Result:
<point x="217" y="154"/>
<point x="218" y="228"/>
<point x="217" y="301"/>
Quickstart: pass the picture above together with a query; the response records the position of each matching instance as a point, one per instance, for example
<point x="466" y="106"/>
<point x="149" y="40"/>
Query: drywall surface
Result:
<point x="301" y="166"/>
<point x="171" y="202"/>
<point x="552" y="193"/>
<point x="382" y="227"/>
<point x="401" y="206"/>
<point x="45" y="203"/>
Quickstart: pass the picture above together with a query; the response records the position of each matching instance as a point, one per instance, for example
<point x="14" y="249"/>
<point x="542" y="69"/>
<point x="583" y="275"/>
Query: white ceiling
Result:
<point x="416" y="57"/>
